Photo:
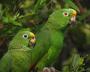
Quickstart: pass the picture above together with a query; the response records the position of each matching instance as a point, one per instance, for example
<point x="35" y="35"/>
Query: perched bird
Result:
<point x="17" y="58"/>
<point x="50" y="38"/>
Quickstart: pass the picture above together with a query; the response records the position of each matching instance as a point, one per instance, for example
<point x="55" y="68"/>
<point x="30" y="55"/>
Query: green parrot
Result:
<point x="50" y="38"/>
<point x="17" y="58"/>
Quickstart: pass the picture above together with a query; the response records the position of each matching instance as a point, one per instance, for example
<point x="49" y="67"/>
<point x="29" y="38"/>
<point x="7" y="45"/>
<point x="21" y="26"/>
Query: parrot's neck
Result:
<point x="21" y="49"/>
<point x="54" y="27"/>
<point x="14" y="45"/>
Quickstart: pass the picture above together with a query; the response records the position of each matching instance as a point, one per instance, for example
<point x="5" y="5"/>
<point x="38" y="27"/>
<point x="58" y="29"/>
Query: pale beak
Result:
<point x="32" y="39"/>
<point x="73" y="16"/>
<point x="73" y="19"/>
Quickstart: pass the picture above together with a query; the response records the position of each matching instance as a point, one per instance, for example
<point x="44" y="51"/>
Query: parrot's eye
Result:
<point x="25" y="36"/>
<point x="65" y="13"/>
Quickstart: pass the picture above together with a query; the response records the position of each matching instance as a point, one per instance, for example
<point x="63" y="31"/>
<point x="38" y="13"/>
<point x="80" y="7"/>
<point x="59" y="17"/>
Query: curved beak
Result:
<point x="32" y="39"/>
<point x="73" y="16"/>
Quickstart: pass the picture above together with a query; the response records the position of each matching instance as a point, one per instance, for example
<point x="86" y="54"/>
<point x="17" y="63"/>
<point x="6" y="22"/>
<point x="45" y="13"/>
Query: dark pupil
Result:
<point x="65" y="13"/>
<point x="25" y="36"/>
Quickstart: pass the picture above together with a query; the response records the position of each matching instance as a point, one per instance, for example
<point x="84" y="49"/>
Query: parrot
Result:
<point x="17" y="58"/>
<point x="50" y="38"/>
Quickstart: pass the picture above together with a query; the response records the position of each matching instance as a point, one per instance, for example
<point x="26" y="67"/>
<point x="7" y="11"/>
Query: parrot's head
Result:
<point x="61" y="18"/>
<point x="22" y="39"/>
<point x="71" y="13"/>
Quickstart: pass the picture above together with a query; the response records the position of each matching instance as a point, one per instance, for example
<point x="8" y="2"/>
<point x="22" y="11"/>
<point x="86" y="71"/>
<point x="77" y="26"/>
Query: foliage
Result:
<point x="74" y="63"/>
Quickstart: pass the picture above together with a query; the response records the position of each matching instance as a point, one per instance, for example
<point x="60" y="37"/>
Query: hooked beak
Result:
<point x="73" y="16"/>
<point x="32" y="39"/>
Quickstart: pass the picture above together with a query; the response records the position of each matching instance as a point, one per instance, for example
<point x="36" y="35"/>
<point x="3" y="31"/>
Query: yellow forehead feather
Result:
<point x="32" y="34"/>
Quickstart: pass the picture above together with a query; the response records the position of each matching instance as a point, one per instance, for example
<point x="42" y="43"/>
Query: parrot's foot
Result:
<point x="46" y="69"/>
<point x="51" y="69"/>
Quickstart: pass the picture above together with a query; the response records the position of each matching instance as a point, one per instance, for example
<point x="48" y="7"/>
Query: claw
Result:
<point x="46" y="69"/>
<point x="52" y="69"/>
